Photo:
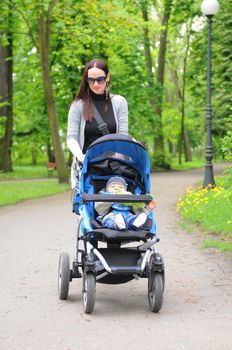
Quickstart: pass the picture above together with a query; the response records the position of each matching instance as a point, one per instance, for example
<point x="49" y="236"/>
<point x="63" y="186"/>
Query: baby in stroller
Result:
<point x="120" y="216"/>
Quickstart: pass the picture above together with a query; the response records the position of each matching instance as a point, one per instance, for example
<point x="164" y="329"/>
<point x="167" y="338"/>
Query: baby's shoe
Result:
<point x="140" y="220"/>
<point x="119" y="222"/>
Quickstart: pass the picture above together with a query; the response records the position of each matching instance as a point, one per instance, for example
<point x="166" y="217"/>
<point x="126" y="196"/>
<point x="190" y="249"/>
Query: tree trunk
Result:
<point x="151" y="83"/>
<point x="50" y="153"/>
<point x="44" y="36"/>
<point x="6" y="93"/>
<point x="183" y="135"/>
<point x="148" y="57"/>
<point x="147" y="49"/>
<point x="33" y="155"/>
<point x="180" y="95"/>
<point x="158" y="128"/>
<point x="187" y="148"/>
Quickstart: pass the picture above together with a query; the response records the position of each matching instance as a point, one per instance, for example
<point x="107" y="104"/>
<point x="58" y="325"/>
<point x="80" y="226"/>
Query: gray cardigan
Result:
<point x="76" y="122"/>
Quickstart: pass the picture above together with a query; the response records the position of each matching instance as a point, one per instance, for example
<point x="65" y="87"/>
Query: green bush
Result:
<point x="227" y="140"/>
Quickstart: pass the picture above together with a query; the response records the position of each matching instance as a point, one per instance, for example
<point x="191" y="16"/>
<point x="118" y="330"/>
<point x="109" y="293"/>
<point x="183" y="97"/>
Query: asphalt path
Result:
<point x="197" y="308"/>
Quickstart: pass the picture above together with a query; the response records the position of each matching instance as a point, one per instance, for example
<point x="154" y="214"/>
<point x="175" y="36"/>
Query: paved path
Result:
<point x="197" y="309"/>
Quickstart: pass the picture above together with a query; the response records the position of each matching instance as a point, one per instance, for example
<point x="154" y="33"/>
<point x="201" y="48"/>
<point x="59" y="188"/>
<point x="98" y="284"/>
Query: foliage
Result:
<point x="118" y="40"/>
<point x="222" y="70"/>
<point x="227" y="140"/>
<point x="114" y="30"/>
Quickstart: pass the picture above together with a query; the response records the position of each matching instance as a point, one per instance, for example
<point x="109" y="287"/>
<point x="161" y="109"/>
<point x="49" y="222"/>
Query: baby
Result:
<point x="121" y="216"/>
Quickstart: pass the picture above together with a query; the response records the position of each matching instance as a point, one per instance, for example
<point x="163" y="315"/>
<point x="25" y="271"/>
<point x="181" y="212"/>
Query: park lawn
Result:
<point x="16" y="191"/>
<point x="196" y="163"/>
<point x="26" y="172"/>
<point x="211" y="208"/>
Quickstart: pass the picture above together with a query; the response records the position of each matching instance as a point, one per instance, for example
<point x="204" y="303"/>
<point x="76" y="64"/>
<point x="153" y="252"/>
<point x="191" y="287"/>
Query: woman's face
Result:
<point x="97" y="80"/>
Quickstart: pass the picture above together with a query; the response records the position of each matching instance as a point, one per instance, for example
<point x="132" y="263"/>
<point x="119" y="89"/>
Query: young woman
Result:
<point x="94" y="92"/>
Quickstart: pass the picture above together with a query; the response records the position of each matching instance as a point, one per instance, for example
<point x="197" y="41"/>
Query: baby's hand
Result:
<point x="122" y="192"/>
<point x="118" y="191"/>
<point x="152" y="204"/>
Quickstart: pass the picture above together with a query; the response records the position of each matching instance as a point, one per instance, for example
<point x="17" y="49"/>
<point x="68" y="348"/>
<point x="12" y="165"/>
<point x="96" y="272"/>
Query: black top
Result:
<point x="105" y="109"/>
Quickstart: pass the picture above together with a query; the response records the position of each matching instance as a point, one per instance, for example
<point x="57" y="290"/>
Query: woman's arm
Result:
<point x="74" y="147"/>
<point x="74" y="120"/>
<point x="121" y="108"/>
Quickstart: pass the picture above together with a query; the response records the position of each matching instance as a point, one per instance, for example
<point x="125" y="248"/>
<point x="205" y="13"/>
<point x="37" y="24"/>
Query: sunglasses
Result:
<point x="99" y="80"/>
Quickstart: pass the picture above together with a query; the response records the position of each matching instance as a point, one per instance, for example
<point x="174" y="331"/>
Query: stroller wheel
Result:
<point x="63" y="276"/>
<point x="155" y="291"/>
<point x="88" y="292"/>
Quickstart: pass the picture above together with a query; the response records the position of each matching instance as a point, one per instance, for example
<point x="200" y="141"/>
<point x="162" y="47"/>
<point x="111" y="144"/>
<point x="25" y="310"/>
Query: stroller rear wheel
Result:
<point x="89" y="282"/>
<point x="63" y="276"/>
<point x="155" y="291"/>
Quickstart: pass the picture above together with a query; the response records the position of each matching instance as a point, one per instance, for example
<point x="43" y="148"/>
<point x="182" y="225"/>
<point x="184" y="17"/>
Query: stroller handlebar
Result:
<point x="133" y="198"/>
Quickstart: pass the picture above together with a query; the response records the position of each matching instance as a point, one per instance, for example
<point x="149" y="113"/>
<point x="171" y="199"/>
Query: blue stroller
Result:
<point x="106" y="256"/>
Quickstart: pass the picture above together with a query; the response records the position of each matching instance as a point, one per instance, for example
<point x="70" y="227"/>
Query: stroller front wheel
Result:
<point x="89" y="282"/>
<point x="155" y="291"/>
<point x="63" y="276"/>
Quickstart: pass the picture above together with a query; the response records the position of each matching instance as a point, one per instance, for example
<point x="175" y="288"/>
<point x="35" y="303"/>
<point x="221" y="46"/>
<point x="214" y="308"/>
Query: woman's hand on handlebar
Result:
<point x="80" y="160"/>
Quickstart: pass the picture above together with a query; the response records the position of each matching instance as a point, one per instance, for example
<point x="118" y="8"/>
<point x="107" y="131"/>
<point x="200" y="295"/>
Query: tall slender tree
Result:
<point x="158" y="127"/>
<point x="6" y="89"/>
<point x="183" y="139"/>
<point x="44" y="18"/>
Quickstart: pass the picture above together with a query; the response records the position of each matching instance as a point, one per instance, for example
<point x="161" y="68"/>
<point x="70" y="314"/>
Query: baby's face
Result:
<point x="115" y="187"/>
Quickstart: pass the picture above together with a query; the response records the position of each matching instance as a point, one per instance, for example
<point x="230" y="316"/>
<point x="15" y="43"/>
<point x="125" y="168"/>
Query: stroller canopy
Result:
<point x="117" y="152"/>
<point x="122" y="145"/>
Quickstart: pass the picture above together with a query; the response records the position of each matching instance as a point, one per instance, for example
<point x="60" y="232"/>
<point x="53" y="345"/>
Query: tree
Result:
<point x="57" y="38"/>
<point x="158" y="127"/>
<point x="44" y="36"/>
<point x="178" y="81"/>
<point x="6" y="88"/>
<point x="222" y="68"/>
<point x="180" y="90"/>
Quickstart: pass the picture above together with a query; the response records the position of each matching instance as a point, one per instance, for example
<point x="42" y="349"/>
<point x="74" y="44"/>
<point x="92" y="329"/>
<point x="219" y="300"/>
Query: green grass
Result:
<point x="221" y="246"/>
<point x="195" y="164"/>
<point x="14" y="192"/>
<point x="26" y="171"/>
<point x="211" y="209"/>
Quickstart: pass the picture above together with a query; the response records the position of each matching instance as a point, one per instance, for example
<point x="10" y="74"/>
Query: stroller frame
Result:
<point x="113" y="263"/>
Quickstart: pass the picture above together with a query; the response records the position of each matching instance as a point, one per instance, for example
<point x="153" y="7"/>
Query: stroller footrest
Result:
<point x="125" y="269"/>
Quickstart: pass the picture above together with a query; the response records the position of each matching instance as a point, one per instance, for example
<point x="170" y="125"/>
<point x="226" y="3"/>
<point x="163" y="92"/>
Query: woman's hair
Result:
<point x="84" y="93"/>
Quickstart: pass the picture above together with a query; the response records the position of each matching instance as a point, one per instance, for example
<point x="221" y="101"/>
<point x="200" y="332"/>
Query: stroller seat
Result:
<point x="105" y="234"/>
